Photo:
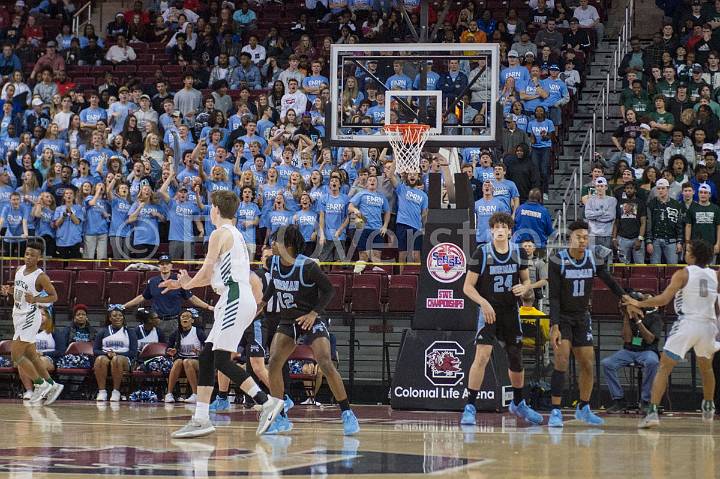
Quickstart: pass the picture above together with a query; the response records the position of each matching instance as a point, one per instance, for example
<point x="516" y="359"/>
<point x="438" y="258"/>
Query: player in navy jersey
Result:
<point x="571" y="272"/>
<point x="302" y="291"/>
<point x="496" y="277"/>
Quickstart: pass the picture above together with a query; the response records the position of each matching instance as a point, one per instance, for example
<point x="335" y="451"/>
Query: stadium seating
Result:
<point x="62" y="280"/>
<point x="139" y="377"/>
<point x="304" y="354"/>
<point x="85" y="374"/>
<point x="367" y="291"/>
<point x="402" y="291"/>
<point x="10" y="372"/>
<point x="90" y="288"/>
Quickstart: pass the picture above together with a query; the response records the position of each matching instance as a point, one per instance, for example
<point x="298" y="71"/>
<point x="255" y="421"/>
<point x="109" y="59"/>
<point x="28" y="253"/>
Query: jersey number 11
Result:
<point x="578" y="287"/>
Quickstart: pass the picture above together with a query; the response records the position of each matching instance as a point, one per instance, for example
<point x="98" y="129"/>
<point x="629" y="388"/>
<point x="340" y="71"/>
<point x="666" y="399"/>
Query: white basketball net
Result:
<point x="407" y="141"/>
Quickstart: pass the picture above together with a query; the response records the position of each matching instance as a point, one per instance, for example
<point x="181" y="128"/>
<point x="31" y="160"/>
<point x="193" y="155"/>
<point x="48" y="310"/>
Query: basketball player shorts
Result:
<point x="253" y="340"/>
<point x="234" y="312"/>
<point x="293" y="330"/>
<point x="506" y="329"/>
<point x="27" y="324"/>
<point x="687" y="334"/>
<point x="576" y="328"/>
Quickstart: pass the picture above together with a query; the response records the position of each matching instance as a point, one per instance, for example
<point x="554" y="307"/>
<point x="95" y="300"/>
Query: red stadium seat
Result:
<point x="63" y="280"/>
<point x="649" y="271"/>
<point x="125" y="69"/>
<point x="402" y="293"/>
<point x="80" y="265"/>
<point x="79" y="347"/>
<point x="90" y="288"/>
<point x="152" y="350"/>
<point x="132" y="277"/>
<point x="10" y="372"/>
<point x="604" y="301"/>
<point x="339" y="282"/>
<point x="366" y="293"/>
<point x="304" y="354"/>
<point x="650" y="285"/>
<point x="123" y="287"/>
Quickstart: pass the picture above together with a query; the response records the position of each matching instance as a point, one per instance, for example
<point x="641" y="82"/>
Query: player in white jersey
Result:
<point x="227" y="269"/>
<point x="28" y="287"/>
<point x="695" y="289"/>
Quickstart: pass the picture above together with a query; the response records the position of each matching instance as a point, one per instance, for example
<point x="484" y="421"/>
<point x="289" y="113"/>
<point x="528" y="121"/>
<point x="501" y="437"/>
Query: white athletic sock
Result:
<point x="202" y="411"/>
<point x="254" y="389"/>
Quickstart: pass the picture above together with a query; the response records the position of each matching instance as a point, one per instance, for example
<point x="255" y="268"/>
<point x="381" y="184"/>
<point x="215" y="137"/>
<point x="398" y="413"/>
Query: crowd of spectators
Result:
<point x="658" y="188"/>
<point x="127" y="163"/>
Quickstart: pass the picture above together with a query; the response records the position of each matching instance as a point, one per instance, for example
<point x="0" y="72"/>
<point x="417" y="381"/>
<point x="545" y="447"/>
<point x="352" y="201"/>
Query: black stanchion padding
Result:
<point x="431" y="373"/>
<point x="463" y="192"/>
<point x="441" y="303"/>
<point x="434" y="190"/>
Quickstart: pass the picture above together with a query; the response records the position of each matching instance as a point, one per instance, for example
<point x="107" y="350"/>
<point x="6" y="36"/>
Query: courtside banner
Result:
<point x="431" y="372"/>
<point x="446" y="252"/>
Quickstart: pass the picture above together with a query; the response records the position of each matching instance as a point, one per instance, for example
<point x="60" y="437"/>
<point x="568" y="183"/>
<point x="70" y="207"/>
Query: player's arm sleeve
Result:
<point x="555" y="281"/>
<point x="325" y="288"/>
<point x="269" y="292"/>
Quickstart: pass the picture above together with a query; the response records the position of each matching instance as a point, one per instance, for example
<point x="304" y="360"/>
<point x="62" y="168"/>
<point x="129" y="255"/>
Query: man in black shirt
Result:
<point x="58" y="189"/>
<point x="640" y="346"/>
<point x="571" y="273"/>
<point x="629" y="227"/>
<point x="496" y="277"/>
<point x="302" y="291"/>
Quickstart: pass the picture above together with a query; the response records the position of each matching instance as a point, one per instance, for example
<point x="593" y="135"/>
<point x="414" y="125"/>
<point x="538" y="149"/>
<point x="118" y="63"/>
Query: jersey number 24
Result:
<point x="502" y="284"/>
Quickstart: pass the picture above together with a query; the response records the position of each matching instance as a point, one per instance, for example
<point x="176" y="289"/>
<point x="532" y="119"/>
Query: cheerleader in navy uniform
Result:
<point x="115" y="346"/>
<point x="147" y="331"/>
<point x="185" y="356"/>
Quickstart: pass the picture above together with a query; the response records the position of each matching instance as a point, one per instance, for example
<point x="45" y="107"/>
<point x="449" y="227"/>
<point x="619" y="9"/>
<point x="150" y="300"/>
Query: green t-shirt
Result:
<point x="664" y="119"/>
<point x="666" y="89"/>
<point x="704" y="221"/>
<point x="641" y="104"/>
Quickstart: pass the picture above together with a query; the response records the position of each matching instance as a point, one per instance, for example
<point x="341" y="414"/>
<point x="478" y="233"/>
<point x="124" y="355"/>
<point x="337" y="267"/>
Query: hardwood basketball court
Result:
<point x="82" y="439"/>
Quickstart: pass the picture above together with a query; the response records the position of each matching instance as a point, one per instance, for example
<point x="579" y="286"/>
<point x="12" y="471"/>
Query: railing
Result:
<point x="77" y="23"/>
<point x="16" y="260"/>
<point x="601" y="106"/>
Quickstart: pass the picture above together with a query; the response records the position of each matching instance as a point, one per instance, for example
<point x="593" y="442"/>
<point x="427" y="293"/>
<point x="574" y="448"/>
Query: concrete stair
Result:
<point x="582" y="120"/>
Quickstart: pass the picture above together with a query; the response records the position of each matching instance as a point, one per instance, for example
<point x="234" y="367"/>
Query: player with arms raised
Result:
<point x="227" y="269"/>
<point x="570" y="274"/>
<point x="497" y="276"/>
<point x="32" y="289"/>
<point x="695" y="289"/>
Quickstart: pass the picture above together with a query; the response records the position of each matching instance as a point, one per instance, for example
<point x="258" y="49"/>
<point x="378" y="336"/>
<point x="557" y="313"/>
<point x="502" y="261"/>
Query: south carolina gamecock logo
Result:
<point x="446" y="262"/>
<point x="443" y="366"/>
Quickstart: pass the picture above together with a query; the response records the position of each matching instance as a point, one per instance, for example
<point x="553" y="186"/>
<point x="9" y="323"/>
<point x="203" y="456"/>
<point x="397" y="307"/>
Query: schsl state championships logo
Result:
<point x="446" y="262"/>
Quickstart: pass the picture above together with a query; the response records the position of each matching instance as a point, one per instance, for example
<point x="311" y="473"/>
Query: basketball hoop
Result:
<point x="407" y="141"/>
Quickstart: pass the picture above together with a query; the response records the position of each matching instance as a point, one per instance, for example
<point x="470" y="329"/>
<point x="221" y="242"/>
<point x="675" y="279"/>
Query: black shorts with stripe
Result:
<point x="293" y="330"/>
